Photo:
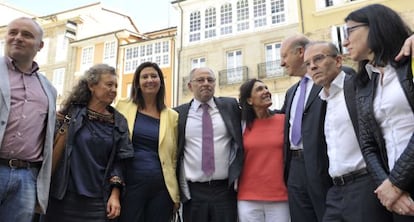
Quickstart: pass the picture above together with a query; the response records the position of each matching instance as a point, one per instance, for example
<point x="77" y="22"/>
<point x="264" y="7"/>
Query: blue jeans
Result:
<point x="17" y="193"/>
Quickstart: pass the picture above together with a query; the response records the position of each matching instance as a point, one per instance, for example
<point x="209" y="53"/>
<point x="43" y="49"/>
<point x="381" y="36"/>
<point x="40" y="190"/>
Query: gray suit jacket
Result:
<point x="43" y="178"/>
<point x="230" y="112"/>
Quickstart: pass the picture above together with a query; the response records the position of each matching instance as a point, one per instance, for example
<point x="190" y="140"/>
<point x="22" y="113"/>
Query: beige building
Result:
<point x="76" y="39"/>
<point x="324" y="19"/>
<point x="238" y="39"/>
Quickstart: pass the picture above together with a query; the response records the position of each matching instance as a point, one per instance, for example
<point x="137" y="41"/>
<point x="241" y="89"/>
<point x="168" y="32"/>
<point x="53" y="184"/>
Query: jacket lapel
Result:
<point x="225" y="115"/>
<point x="163" y="125"/>
<point x="405" y="76"/>
<point x="290" y="101"/>
<point x="4" y="83"/>
<point x="312" y="95"/>
<point x="350" y="99"/>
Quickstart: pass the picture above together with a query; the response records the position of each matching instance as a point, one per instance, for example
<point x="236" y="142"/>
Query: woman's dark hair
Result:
<point x="247" y="112"/>
<point x="136" y="93"/>
<point x="386" y="35"/>
<point x="81" y="94"/>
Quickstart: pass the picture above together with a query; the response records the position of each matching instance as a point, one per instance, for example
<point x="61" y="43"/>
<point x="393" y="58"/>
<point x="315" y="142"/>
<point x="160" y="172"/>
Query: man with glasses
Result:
<point x="351" y="197"/>
<point x="210" y="152"/>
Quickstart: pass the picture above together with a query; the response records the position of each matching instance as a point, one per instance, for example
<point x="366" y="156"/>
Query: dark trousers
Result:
<point x="147" y="200"/>
<point x="306" y="198"/>
<point x="75" y="208"/>
<point x="355" y="202"/>
<point x="211" y="202"/>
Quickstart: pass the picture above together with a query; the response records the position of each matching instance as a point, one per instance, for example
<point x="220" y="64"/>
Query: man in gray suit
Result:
<point x="27" y="119"/>
<point x="207" y="192"/>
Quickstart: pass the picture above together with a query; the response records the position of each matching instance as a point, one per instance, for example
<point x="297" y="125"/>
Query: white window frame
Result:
<point x="234" y="61"/>
<point x="337" y="37"/>
<point x="272" y="55"/>
<point x="62" y="45"/>
<point x="109" y="54"/>
<point x="195" y="26"/>
<point x="42" y="55"/>
<point x="58" y="80"/>
<point x="210" y="22"/>
<point x="158" y="51"/>
<point x="278" y="11"/>
<point x="198" y="62"/>
<point x="259" y="13"/>
<point x="242" y="15"/>
<point x="87" y="57"/>
<point x="226" y="19"/>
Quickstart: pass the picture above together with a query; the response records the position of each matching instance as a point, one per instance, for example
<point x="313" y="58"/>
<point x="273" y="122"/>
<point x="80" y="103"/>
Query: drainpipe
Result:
<point x="120" y="73"/>
<point x="302" y="26"/>
<point x="177" y="76"/>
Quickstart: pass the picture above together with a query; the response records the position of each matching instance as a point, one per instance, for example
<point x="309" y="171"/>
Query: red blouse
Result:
<point x="262" y="175"/>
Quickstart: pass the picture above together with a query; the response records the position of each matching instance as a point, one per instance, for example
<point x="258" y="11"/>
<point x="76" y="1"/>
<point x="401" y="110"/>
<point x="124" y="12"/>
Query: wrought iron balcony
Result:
<point x="233" y="76"/>
<point x="270" y="69"/>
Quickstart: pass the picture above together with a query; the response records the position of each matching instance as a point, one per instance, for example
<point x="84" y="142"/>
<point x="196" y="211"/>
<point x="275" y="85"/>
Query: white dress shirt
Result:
<point x="193" y="142"/>
<point x="392" y="112"/>
<point x="343" y="149"/>
<point x="309" y="86"/>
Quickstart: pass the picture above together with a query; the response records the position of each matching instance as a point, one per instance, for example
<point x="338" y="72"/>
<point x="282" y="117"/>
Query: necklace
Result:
<point x="95" y="116"/>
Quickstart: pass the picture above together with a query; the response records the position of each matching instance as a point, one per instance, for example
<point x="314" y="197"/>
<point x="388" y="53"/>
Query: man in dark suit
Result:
<point x="207" y="191"/>
<point x="306" y="160"/>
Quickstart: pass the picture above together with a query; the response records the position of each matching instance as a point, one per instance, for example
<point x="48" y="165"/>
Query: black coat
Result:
<point x="372" y="141"/>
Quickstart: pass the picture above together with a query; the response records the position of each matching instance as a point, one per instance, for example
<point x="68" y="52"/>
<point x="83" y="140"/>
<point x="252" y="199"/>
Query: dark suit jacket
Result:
<point x="315" y="154"/>
<point x="230" y="112"/>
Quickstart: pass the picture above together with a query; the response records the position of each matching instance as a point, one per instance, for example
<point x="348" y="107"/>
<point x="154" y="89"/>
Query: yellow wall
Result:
<point x="314" y="20"/>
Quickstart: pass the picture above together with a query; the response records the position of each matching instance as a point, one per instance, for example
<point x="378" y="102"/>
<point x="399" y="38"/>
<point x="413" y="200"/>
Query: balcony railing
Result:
<point x="270" y="69"/>
<point x="233" y="76"/>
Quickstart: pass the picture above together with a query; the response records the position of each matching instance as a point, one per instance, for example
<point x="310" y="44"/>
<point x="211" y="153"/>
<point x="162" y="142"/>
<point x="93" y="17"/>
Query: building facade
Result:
<point x="156" y="46"/>
<point x="238" y="39"/>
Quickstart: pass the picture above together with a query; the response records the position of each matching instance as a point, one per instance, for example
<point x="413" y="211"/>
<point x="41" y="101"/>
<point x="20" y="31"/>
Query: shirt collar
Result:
<point x="11" y="64"/>
<point x="196" y="103"/>
<point x="336" y="86"/>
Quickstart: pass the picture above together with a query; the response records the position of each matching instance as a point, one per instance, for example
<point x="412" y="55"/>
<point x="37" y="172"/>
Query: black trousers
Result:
<point x="306" y="198"/>
<point x="75" y="208"/>
<point x="355" y="202"/>
<point x="147" y="200"/>
<point x="211" y="202"/>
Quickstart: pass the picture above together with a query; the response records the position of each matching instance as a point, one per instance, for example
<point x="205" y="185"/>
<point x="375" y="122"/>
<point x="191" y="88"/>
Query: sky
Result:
<point x="148" y="15"/>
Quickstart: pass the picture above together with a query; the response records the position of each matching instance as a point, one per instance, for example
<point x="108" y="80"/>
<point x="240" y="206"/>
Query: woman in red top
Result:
<point x="262" y="194"/>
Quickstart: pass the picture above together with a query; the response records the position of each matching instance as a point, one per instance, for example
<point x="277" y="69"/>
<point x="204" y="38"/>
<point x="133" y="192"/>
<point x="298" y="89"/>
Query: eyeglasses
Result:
<point x="317" y="59"/>
<point x="349" y="30"/>
<point x="201" y="80"/>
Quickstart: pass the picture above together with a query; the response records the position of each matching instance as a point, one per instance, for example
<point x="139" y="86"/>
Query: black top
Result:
<point x="90" y="157"/>
<point x="145" y="139"/>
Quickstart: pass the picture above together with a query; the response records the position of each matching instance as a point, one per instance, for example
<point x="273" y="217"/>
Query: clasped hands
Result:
<point x="395" y="199"/>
